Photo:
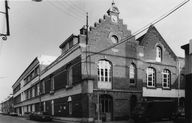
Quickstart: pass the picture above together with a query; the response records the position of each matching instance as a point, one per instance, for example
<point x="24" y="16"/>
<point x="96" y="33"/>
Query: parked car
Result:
<point x="157" y="110"/>
<point x="13" y="114"/>
<point x="40" y="116"/>
<point x="27" y="114"/>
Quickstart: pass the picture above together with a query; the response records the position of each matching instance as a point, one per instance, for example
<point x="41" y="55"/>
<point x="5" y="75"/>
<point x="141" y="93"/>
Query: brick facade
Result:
<point x="105" y="78"/>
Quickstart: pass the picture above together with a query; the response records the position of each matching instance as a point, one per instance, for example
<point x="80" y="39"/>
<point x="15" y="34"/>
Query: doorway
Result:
<point x="106" y="107"/>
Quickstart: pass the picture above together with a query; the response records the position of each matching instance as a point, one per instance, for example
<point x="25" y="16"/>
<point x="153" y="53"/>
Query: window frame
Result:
<point x="159" y="53"/>
<point x="151" y="71"/>
<point x="104" y="74"/>
<point x="166" y="73"/>
<point x="132" y="74"/>
<point x="114" y="39"/>
<point x="69" y="76"/>
<point x="104" y="71"/>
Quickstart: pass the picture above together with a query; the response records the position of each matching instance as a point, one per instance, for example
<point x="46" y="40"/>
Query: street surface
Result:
<point x="11" y="119"/>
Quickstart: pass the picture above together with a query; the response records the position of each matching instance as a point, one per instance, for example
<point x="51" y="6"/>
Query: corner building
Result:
<point x="84" y="81"/>
<point x="94" y="78"/>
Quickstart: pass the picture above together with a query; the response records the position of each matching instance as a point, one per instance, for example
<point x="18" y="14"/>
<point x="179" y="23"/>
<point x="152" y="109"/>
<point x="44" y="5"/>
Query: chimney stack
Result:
<point x="83" y="30"/>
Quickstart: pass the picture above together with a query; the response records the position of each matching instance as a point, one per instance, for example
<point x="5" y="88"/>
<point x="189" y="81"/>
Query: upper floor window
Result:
<point x="104" y="71"/>
<point x="114" y="39"/>
<point x="151" y="77"/>
<point x="70" y="76"/>
<point x="158" y="54"/>
<point x="132" y="73"/>
<point x="52" y="84"/>
<point x="166" y="78"/>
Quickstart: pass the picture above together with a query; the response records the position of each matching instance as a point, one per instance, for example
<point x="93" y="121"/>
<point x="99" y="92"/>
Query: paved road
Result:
<point x="11" y="119"/>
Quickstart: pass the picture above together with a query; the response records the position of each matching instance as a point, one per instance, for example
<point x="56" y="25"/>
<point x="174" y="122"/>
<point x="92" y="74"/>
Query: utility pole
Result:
<point x="6" y="13"/>
<point x="86" y="52"/>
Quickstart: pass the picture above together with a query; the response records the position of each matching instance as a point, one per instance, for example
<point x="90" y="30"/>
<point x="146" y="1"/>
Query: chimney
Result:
<point x="83" y="30"/>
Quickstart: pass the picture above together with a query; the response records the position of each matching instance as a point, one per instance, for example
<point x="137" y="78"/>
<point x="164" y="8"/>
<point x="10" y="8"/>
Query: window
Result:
<point x="132" y="73"/>
<point x="158" y="54"/>
<point x="75" y="40"/>
<point x="33" y="91"/>
<point x="114" y="39"/>
<point x="52" y="84"/>
<point x="151" y="77"/>
<point x="70" y="104"/>
<point x="106" y="103"/>
<point x="33" y="74"/>
<point x="36" y="71"/>
<point x="42" y="87"/>
<point x="166" y="79"/>
<point x="104" y="71"/>
<point x="104" y="74"/>
<point x="38" y="89"/>
<point x="70" y="76"/>
<point x="70" y="44"/>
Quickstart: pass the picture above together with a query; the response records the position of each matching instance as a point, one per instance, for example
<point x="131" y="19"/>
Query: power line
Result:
<point x="82" y="10"/>
<point x="66" y="12"/>
<point x="136" y="33"/>
<point x="73" y="6"/>
<point x="63" y="10"/>
<point x="143" y="29"/>
<point x="73" y="10"/>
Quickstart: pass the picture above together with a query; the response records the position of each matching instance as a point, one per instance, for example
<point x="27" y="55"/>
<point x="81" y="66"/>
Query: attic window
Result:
<point x="158" y="54"/>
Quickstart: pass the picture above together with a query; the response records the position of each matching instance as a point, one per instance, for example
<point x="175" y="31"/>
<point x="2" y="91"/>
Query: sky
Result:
<point x="38" y="28"/>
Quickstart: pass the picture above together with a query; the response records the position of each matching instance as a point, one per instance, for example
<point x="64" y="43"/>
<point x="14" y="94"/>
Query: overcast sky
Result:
<point x="40" y="27"/>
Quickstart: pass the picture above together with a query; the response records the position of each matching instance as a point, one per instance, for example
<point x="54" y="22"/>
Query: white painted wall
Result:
<point x="159" y="92"/>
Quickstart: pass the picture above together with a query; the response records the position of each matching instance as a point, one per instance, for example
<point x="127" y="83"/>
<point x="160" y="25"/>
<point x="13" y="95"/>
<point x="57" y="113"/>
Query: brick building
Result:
<point x="163" y="71"/>
<point x="188" y="76"/>
<point x="98" y="79"/>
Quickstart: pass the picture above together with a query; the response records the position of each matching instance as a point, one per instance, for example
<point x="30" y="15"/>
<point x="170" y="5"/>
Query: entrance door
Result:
<point x="106" y="107"/>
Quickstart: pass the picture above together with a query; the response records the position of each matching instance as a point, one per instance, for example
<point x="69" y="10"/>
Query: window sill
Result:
<point x="51" y="92"/>
<point x="166" y="88"/>
<point x="132" y="84"/>
<point x="151" y="87"/>
<point x="68" y="86"/>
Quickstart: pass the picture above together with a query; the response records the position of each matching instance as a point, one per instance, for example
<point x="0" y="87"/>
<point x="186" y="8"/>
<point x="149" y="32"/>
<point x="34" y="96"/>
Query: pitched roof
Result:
<point x="152" y="28"/>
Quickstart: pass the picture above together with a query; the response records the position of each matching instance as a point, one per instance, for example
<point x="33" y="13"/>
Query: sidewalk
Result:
<point x="129" y="121"/>
<point x="66" y="121"/>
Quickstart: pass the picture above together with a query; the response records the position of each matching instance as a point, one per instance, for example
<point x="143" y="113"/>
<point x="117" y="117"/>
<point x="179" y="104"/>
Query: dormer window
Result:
<point x="158" y="54"/>
<point x="69" y="43"/>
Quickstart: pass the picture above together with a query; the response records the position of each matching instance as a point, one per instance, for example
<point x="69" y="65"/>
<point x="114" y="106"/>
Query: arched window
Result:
<point x="104" y="74"/>
<point x="166" y="78"/>
<point x="114" y="39"/>
<point x="151" y="77"/>
<point x="158" y="54"/>
<point x="132" y="73"/>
